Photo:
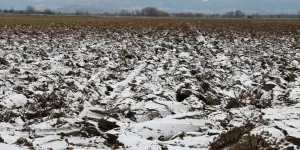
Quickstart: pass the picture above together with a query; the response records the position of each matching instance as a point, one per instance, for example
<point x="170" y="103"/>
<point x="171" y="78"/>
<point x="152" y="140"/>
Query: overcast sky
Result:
<point x="206" y="6"/>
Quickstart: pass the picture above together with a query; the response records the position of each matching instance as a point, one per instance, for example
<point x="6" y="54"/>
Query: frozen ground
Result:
<point x="80" y="89"/>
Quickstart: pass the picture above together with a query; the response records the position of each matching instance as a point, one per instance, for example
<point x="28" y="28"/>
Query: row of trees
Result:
<point x="235" y="14"/>
<point x="28" y="10"/>
<point x="149" y="12"/>
<point x="81" y="13"/>
<point x="154" y="12"/>
<point x="32" y="10"/>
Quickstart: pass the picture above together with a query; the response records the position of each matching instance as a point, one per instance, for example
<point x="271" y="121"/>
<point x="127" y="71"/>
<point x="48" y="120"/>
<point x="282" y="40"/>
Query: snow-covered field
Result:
<point x="115" y="89"/>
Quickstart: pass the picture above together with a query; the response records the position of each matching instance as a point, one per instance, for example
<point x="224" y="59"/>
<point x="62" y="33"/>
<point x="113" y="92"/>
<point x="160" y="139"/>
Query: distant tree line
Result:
<point x="28" y="10"/>
<point x="148" y="12"/>
<point x="47" y="11"/>
<point x="151" y="12"/>
<point x="82" y="13"/>
<point x="234" y="14"/>
<point x="154" y="12"/>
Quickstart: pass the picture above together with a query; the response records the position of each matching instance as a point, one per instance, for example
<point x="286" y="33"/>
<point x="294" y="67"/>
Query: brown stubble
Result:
<point x="222" y="27"/>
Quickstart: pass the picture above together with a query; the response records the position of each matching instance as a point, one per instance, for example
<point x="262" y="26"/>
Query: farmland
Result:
<point x="40" y="19"/>
<point x="149" y="83"/>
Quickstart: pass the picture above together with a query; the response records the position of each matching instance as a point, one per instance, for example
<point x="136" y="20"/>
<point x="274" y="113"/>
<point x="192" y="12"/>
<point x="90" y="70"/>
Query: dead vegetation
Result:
<point x="240" y="138"/>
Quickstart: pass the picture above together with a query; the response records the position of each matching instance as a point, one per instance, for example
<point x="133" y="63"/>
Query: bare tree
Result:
<point x="184" y="14"/>
<point x="239" y="14"/>
<point x="82" y="13"/>
<point x="107" y="14"/>
<point x="30" y="10"/>
<point x="229" y="14"/>
<point x="163" y="14"/>
<point x="199" y="15"/>
<point x="79" y="13"/>
<point x="48" y="11"/>
<point x="124" y="13"/>
<point x="137" y="12"/>
<point x="236" y="14"/>
<point x="215" y="15"/>
<point x="299" y="14"/>
<point x="150" y="11"/>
